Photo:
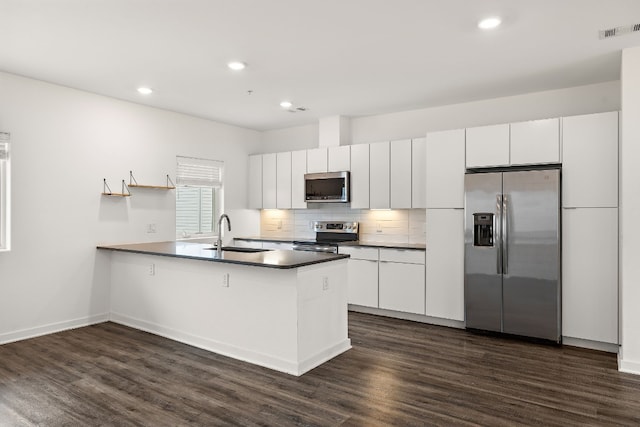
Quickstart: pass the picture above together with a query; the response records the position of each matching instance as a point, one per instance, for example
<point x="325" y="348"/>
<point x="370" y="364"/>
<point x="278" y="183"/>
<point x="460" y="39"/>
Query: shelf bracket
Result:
<point x="132" y="180"/>
<point x="170" y="183"/>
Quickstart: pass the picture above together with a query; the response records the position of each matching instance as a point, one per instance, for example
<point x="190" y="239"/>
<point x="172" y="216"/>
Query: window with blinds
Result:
<point x="5" y="188"/>
<point x="199" y="184"/>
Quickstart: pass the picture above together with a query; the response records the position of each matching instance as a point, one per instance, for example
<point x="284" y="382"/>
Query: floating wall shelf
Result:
<point x="133" y="183"/>
<point x="106" y="190"/>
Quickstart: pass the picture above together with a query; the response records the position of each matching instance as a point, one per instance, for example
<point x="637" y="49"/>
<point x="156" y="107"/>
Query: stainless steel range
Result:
<point x="328" y="235"/>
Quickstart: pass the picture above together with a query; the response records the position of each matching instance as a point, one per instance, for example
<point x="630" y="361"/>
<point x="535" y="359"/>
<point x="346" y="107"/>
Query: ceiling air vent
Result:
<point x="619" y="31"/>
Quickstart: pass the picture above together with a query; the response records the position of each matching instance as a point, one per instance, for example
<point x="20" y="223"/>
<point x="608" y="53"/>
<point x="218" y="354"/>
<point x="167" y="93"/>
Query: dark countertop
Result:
<point x="271" y="258"/>
<point x="414" y="246"/>
<point x="384" y="245"/>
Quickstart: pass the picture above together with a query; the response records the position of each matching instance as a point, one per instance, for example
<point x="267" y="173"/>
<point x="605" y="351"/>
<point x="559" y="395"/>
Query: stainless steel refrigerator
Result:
<point x="512" y="253"/>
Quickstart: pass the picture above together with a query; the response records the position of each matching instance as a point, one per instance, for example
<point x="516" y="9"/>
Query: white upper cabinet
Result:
<point x="360" y="176"/>
<point x="339" y="158"/>
<point x="535" y="142"/>
<point x="400" y="174"/>
<point x="255" y="181"/>
<point x="445" y="169"/>
<point x="317" y="160"/>
<point x="298" y="169"/>
<point x="590" y="160"/>
<point x="283" y="180"/>
<point x="418" y="173"/>
<point x="269" y="180"/>
<point x="379" y="173"/>
<point x="488" y="146"/>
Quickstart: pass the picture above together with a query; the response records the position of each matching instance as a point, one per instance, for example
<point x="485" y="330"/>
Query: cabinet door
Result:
<point x="590" y="274"/>
<point x="418" y="173"/>
<point x="445" y="169"/>
<point x="339" y="159"/>
<point x="445" y="263"/>
<point x="283" y="180"/>
<point x="363" y="282"/>
<point x="487" y="146"/>
<point x="590" y="160"/>
<point x="255" y="181"/>
<point x="379" y="170"/>
<point x="400" y="174"/>
<point x="269" y="181"/>
<point x="360" y="176"/>
<point x="535" y="142"/>
<point x="317" y="160"/>
<point x="401" y="287"/>
<point x="298" y="169"/>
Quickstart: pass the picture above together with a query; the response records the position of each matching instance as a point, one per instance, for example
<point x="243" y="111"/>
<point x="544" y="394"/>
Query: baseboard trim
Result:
<point x="408" y="316"/>
<point x="52" y="328"/>
<point x="593" y="345"/>
<point x="323" y="356"/>
<point x="243" y="354"/>
<point x="627" y="366"/>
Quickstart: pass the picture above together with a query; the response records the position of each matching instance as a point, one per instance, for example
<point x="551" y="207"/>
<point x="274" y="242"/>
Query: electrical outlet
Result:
<point x="151" y="228"/>
<point x="325" y="283"/>
<point x="225" y="280"/>
<point x="152" y="269"/>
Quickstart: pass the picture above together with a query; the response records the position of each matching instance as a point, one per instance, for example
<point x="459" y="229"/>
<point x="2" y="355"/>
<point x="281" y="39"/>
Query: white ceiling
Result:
<point x="335" y="57"/>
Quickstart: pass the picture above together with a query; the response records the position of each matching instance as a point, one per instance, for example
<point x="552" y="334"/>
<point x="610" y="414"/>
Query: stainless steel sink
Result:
<point x="239" y="249"/>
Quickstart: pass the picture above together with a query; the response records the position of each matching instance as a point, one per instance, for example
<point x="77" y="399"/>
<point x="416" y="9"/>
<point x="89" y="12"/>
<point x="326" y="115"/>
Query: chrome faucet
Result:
<point x="219" y="243"/>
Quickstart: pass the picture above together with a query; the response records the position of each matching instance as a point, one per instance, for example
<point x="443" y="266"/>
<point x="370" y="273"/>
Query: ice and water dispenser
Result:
<point x="483" y="229"/>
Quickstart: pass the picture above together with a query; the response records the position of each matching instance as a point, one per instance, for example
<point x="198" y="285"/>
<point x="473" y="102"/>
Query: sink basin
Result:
<point x="239" y="249"/>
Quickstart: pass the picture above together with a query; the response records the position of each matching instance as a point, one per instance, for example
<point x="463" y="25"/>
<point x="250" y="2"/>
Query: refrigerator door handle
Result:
<point x="505" y="235"/>
<point x="497" y="232"/>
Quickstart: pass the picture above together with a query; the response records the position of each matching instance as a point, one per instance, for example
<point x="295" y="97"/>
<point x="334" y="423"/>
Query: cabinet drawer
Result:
<point x="360" y="253"/>
<point x="407" y="256"/>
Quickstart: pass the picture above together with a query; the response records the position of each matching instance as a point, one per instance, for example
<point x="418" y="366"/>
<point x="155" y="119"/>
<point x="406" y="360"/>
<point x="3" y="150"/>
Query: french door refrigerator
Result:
<point x="512" y="253"/>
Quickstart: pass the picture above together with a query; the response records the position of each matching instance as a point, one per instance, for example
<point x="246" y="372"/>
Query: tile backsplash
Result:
<point x="389" y="226"/>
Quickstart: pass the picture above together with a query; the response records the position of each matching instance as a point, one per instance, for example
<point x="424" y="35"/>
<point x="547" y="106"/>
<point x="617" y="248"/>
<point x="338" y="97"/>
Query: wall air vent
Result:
<point x="619" y="31"/>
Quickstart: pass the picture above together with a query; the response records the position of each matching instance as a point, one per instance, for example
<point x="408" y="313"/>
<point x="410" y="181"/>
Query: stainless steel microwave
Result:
<point x="327" y="187"/>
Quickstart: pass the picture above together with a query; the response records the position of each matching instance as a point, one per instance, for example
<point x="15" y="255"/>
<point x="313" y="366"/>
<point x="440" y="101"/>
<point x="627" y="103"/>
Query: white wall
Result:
<point x="290" y="139"/>
<point x="629" y="356"/>
<point x="416" y="123"/>
<point x="64" y="142"/>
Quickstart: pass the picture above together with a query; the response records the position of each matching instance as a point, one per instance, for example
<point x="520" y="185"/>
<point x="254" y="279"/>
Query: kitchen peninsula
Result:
<point x="285" y="310"/>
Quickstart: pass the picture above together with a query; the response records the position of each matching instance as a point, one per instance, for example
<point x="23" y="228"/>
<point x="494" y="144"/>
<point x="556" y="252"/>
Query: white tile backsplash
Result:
<point x="388" y="226"/>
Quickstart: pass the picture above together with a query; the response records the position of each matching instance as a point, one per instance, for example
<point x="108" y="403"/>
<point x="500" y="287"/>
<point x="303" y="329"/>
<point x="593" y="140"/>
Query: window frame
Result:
<point x="5" y="193"/>
<point x="217" y="185"/>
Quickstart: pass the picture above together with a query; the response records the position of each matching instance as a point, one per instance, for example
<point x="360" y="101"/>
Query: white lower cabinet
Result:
<point x="590" y="274"/>
<point x="362" y="288"/>
<point x="445" y="264"/>
<point x="363" y="282"/>
<point x="401" y="284"/>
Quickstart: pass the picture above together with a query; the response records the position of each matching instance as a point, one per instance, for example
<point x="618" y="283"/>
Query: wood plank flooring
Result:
<point x="398" y="373"/>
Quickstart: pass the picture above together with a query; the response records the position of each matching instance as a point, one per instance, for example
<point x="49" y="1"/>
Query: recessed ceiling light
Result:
<point x="237" y="66"/>
<point x="489" y="23"/>
<point x="145" y="90"/>
<point x="286" y="104"/>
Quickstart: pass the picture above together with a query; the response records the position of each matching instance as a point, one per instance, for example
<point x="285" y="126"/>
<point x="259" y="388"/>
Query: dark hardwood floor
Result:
<point x="398" y="373"/>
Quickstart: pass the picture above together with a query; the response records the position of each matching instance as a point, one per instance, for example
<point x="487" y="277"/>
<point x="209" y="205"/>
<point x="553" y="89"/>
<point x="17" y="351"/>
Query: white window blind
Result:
<point x="4" y="192"/>
<point x="199" y="185"/>
<point x="199" y="172"/>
